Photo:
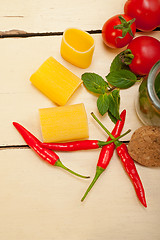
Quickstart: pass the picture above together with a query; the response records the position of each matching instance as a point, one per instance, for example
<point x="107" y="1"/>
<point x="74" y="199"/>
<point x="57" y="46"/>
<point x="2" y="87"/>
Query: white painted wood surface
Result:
<point x="41" y="202"/>
<point x="55" y="16"/>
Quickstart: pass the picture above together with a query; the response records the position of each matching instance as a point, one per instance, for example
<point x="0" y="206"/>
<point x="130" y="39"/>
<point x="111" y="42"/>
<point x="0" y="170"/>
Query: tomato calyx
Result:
<point x="125" y="26"/>
<point x="126" y="57"/>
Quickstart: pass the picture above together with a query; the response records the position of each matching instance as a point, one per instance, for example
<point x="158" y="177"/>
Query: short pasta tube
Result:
<point x="64" y="123"/>
<point x="55" y="81"/>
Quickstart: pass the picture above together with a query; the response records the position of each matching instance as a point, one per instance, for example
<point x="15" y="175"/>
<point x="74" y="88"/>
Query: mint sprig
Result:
<point x="108" y="100"/>
<point x="120" y="77"/>
<point x="103" y="103"/>
<point x="94" y="83"/>
<point x="119" y="62"/>
<point x="114" y="99"/>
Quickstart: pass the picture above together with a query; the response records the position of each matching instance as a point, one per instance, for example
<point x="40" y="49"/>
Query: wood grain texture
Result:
<point x="22" y="100"/>
<point x="41" y="202"/>
<point x="55" y="16"/>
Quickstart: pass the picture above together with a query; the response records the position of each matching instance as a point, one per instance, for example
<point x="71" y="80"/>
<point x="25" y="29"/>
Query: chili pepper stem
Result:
<point x="99" y="171"/>
<point x="60" y="164"/>
<point x="115" y="140"/>
<point x="104" y="128"/>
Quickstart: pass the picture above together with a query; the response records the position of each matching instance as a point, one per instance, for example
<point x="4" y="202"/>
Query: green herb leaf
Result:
<point x="157" y="85"/>
<point x="94" y="83"/>
<point x="113" y="119"/>
<point x="117" y="63"/>
<point x="114" y="102"/>
<point x="143" y="86"/>
<point x="103" y="103"/>
<point x="122" y="78"/>
<point x="116" y="96"/>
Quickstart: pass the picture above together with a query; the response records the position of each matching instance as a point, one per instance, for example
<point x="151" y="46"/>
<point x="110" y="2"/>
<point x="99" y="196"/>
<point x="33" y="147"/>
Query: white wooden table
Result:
<point x="41" y="202"/>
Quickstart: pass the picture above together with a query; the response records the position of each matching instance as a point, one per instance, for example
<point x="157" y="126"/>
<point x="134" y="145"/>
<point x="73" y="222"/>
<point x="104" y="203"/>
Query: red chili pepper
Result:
<point x="75" y="145"/>
<point x="46" y="154"/>
<point x="130" y="168"/>
<point x="78" y="145"/>
<point x="107" y="152"/>
<point x="128" y="164"/>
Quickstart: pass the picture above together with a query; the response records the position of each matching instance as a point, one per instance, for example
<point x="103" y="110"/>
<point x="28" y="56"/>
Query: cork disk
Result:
<point x="144" y="146"/>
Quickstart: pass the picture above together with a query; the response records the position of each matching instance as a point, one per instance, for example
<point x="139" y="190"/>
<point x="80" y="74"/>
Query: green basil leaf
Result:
<point x="94" y="83"/>
<point x="122" y="78"/>
<point x="103" y="103"/>
<point x="114" y="102"/>
<point x="117" y="63"/>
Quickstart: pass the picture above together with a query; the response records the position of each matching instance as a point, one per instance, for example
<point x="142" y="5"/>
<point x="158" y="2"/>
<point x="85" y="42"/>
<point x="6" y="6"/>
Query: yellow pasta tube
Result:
<point x="77" y="47"/>
<point x="55" y="81"/>
<point x="64" y="123"/>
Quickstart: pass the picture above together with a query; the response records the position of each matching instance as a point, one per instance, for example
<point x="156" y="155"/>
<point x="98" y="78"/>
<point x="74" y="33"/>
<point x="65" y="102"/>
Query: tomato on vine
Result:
<point x="118" y="31"/>
<point x="146" y="12"/>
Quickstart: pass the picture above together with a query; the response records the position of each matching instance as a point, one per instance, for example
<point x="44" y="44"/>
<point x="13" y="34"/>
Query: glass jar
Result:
<point x="148" y="102"/>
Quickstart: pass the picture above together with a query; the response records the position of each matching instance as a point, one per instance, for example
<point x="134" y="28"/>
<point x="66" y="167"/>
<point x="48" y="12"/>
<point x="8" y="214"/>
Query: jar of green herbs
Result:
<point x="148" y="101"/>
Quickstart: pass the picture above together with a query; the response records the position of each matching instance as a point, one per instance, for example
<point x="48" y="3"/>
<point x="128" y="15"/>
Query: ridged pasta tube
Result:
<point x="55" y="81"/>
<point x="64" y="123"/>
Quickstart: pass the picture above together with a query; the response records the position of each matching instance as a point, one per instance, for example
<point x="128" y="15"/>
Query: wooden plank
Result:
<point x="38" y="201"/>
<point x="20" y="101"/>
<point x="53" y="16"/>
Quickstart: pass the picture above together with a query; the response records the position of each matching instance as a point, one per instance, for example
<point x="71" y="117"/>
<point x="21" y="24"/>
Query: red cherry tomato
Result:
<point x="118" y="31"/>
<point x="146" y="51"/>
<point x="146" y="12"/>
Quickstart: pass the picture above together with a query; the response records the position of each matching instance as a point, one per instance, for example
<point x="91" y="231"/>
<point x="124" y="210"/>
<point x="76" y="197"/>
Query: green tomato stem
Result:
<point x="125" y="26"/>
